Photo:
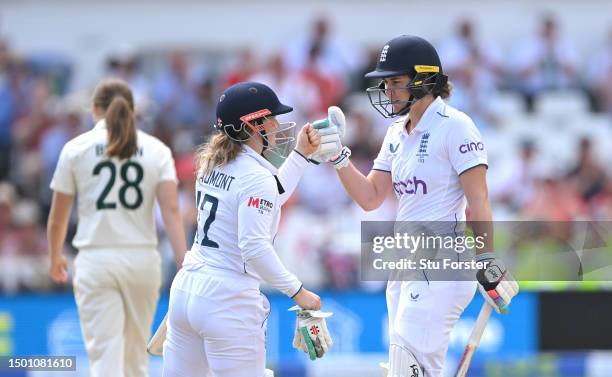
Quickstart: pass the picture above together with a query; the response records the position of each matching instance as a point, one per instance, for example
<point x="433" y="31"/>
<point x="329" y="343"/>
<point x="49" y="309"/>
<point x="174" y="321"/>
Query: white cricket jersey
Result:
<point x="238" y="214"/>
<point x="115" y="197"/>
<point x="425" y="165"/>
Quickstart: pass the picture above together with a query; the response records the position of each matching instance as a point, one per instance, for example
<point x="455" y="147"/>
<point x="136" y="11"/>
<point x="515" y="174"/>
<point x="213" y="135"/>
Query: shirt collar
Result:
<point x="260" y="159"/>
<point x="433" y="110"/>
<point x="101" y="125"/>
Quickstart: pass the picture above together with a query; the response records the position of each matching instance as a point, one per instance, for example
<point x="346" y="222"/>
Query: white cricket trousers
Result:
<point x="216" y="325"/>
<point x="422" y="315"/>
<point x="116" y="292"/>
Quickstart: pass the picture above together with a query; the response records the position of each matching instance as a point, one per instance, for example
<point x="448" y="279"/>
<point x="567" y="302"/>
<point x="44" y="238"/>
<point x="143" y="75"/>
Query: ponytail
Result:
<point x="121" y="129"/>
<point x="218" y="151"/>
<point x="116" y="99"/>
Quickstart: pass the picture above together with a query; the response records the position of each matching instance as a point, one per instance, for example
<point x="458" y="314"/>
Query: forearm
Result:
<point x="481" y="220"/>
<point x="57" y="223"/>
<point x="56" y="236"/>
<point x="360" y="188"/>
<point x="176" y="233"/>
<point x="290" y="173"/>
<point x="269" y="267"/>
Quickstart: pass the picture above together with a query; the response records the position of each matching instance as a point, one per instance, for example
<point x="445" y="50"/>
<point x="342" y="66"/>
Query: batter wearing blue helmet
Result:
<point x="217" y="316"/>
<point x="435" y="161"/>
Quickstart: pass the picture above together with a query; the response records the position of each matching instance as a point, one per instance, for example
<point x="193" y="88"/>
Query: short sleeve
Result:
<point x="465" y="146"/>
<point x="383" y="160"/>
<point x="63" y="177"/>
<point x="168" y="169"/>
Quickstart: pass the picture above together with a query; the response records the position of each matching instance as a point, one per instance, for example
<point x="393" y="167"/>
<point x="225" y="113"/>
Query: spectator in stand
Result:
<point x="8" y="196"/>
<point x="291" y="88"/>
<point x="554" y="200"/>
<point x="330" y="88"/>
<point x="600" y="77"/>
<point x="465" y="55"/>
<point x="69" y="125"/>
<point x="361" y="139"/>
<point x="587" y="176"/>
<point x="8" y="108"/>
<point x="600" y="206"/>
<point x="28" y="133"/>
<point x="206" y="102"/>
<point x="523" y="169"/>
<point x="174" y="93"/>
<point x="340" y="58"/>
<point x="123" y="64"/>
<point x="476" y="70"/>
<point x="545" y="62"/>
<point x="246" y="67"/>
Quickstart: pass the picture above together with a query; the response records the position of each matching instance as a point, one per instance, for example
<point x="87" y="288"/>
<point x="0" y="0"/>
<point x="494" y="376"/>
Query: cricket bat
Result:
<point x="474" y="340"/>
<point x="156" y="344"/>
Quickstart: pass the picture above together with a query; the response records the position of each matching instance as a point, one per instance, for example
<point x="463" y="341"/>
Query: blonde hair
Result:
<point x="116" y="99"/>
<point x="218" y="151"/>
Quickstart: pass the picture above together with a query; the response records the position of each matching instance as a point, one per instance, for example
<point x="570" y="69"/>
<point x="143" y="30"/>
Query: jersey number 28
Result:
<point x="128" y="183"/>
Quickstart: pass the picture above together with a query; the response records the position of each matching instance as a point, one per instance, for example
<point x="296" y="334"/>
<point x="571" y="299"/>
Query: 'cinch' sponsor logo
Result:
<point x="410" y="186"/>
<point x="471" y="146"/>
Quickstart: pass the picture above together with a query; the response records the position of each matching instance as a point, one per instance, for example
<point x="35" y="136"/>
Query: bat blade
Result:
<point x="474" y="341"/>
<point x="156" y="344"/>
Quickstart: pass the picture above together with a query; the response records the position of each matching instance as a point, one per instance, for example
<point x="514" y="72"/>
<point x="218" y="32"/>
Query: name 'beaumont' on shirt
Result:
<point x="218" y="180"/>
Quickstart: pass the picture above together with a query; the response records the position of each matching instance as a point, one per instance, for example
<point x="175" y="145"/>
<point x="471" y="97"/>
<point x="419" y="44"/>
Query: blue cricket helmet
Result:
<point x="242" y="103"/>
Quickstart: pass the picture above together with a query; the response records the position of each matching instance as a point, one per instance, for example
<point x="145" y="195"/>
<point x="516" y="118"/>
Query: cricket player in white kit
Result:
<point x="217" y="315"/>
<point x="435" y="161"/>
<point x="117" y="172"/>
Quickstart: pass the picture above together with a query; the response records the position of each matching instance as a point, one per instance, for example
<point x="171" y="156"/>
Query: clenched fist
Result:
<point x="308" y="140"/>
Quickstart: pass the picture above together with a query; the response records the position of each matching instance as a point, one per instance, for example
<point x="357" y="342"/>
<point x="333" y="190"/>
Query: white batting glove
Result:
<point x="311" y="334"/>
<point x="342" y="159"/>
<point x="496" y="283"/>
<point x="331" y="131"/>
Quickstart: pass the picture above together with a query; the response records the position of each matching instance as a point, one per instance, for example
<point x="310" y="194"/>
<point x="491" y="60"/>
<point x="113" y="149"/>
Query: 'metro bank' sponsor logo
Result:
<point x="261" y="204"/>
<point x="410" y="186"/>
<point x="471" y="146"/>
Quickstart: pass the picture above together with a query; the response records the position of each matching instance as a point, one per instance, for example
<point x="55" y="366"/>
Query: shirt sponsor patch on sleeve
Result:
<point x="263" y="206"/>
<point x="471" y="146"/>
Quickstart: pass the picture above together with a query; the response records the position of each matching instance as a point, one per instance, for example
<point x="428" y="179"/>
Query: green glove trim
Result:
<point x="321" y="123"/>
<point x="306" y="338"/>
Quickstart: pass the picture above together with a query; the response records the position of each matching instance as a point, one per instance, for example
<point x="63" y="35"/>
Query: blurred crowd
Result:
<point x="319" y="236"/>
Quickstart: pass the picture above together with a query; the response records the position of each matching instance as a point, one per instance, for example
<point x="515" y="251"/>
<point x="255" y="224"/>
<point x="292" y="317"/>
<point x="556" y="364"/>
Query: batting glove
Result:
<point x="331" y="130"/>
<point x="311" y="334"/>
<point x="496" y="283"/>
<point x="342" y="159"/>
